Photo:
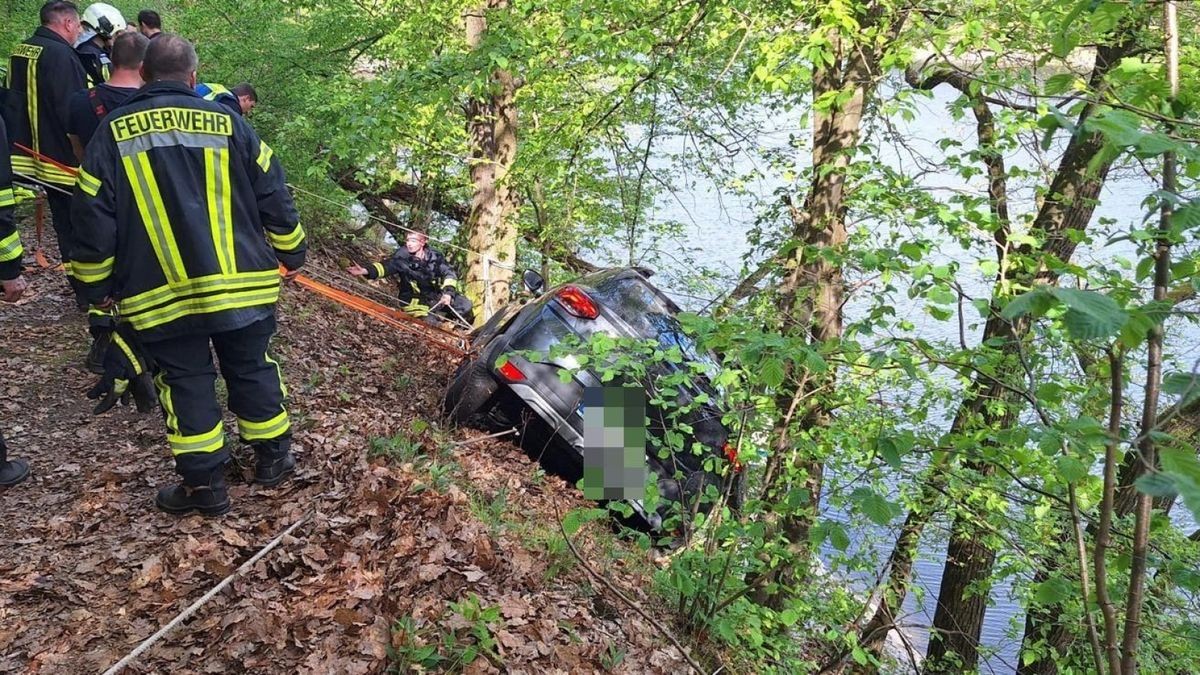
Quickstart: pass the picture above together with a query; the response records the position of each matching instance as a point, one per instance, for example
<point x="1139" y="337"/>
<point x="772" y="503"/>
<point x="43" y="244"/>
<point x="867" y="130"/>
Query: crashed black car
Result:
<point x="512" y="379"/>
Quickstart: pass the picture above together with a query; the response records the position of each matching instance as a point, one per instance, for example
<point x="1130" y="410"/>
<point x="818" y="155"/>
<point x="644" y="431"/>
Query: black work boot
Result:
<point x="12" y="471"/>
<point x="275" y="462"/>
<point x="95" y="356"/>
<point x="210" y="499"/>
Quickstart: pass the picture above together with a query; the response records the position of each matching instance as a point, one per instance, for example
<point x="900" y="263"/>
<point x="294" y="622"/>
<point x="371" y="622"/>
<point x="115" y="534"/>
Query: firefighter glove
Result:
<point x="126" y="374"/>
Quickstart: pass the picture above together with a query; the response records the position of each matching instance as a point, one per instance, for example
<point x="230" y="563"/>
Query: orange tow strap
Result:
<point x="74" y="171"/>
<point x="442" y="338"/>
<point x="445" y="339"/>
<point x="40" y="209"/>
<point x="39" y="221"/>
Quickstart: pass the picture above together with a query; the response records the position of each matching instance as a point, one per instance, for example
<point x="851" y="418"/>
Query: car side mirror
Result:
<point x="534" y="283"/>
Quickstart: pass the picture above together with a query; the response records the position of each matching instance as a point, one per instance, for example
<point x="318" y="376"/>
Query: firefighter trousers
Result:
<point x="60" y="216"/>
<point x="186" y="381"/>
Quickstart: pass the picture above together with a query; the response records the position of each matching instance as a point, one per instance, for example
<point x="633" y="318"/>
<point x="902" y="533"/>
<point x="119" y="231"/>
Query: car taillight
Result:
<point x="731" y="455"/>
<point x="575" y="301"/>
<point x="511" y="372"/>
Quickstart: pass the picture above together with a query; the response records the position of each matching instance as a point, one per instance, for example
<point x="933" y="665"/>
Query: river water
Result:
<point x="716" y="226"/>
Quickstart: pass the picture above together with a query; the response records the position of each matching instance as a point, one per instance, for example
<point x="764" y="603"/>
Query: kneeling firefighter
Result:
<point x="428" y="283"/>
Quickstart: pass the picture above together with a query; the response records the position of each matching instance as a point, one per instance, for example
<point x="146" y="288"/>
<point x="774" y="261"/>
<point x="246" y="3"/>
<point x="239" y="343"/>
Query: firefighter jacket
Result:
<point x="43" y="73"/>
<point x="10" y="239"/>
<point x="218" y="93"/>
<point x="420" y="279"/>
<point x="182" y="216"/>
<point x="96" y="64"/>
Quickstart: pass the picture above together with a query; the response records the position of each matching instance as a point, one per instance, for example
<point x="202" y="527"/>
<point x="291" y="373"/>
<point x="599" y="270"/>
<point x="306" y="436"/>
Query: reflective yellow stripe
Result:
<point x="450" y="283"/>
<point x="264" y="156"/>
<point x="90" y="273"/>
<point x="7" y="198"/>
<point x="379" y="271"/>
<point x="31" y="105"/>
<point x="215" y="90"/>
<point x="24" y="195"/>
<point x="68" y="268"/>
<point x="87" y="182"/>
<point x="278" y="372"/>
<point x="164" y="397"/>
<point x="10" y="247"/>
<point x="203" y="305"/>
<point x="289" y="241"/>
<point x="205" y="284"/>
<point x="52" y="174"/>
<point x="23" y="164"/>
<point x="264" y="431"/>
<point x="120" y="342"/>
<point x="154" y="215"/>
<point x="209" y="441"/>
<point x="42" y="171"/>
<point x="96" y="311"/>
<point x="415" y="308"/>
<point x="220" y="206"/>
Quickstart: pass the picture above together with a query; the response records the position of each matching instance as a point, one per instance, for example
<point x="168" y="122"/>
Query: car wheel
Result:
<point x="471" y="395"/>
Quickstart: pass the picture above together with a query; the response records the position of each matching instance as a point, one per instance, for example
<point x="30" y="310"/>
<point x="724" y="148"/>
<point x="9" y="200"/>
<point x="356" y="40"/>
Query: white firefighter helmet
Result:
<point x="104" y="19"/>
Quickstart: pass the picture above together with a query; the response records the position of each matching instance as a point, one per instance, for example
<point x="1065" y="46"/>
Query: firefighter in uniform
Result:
<point x="101" y="22"/>
<point x="183" y="220"/>
<point x="428" y="283"/>
<point x="241" y="99"/>
<point x="44" y="72"/>
<point x="12" y="471"/>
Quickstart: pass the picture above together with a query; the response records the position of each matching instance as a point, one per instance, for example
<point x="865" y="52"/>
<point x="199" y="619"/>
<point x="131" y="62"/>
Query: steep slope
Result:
<point x="421" y="547"/>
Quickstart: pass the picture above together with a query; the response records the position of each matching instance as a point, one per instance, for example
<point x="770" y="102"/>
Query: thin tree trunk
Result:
<point x="491" y="233"/>
<point x="1154" y="348"/>
<point x="1068" y="207"/>
<point x="811" y="296"/>
<point x="1107" y="609"/>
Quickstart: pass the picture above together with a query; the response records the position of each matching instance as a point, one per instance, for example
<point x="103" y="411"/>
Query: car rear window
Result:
<point x="648" y="313"/>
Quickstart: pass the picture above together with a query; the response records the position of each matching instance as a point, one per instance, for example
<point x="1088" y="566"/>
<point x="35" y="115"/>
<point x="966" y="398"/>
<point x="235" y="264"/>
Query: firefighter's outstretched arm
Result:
<point x="94" y="220"/>
<point x="275" y="206"/>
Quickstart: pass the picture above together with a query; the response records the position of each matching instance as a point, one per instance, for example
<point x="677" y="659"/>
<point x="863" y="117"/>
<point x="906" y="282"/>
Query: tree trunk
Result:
<point x="1068" y="206"/>
<point x="811" y="296"/>
<point x="1071" y="200"/>
<point x="491" y="235"/>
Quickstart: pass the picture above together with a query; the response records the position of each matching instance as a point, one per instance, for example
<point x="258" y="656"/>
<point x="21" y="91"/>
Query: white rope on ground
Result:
<point x="185" y="614"/>
<point x="498" y="434"/>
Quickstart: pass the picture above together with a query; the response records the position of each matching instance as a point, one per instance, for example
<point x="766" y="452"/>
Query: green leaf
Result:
<point x="1120" y="127"/>
<point x="1058" y="84"/>
<point x="1184" y="385"/>
<point x="1034" y="302"/>
<point x="888" y="451"/>
<point x="1182" y="465"/>
<point x="1185" y="217"/>
<point x="1063" y="43"/>
<point x="1053" y="591"/>
<point x="1071" y="468"/>
<point x="875" y="506"/>
<point x="1090" y="315"/>
<point x="1156" y="485"/>
<point x="771" y="371"/>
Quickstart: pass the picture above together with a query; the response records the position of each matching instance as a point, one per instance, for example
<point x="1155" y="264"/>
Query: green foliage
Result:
<point x="470" y="635"/>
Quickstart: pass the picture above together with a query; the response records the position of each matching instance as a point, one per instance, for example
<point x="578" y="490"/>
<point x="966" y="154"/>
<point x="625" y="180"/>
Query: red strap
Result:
<point x="97" y="104"/>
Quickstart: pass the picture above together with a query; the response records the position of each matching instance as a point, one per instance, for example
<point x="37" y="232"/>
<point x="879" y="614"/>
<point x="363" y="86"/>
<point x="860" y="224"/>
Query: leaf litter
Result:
<point x="92" y="568"/>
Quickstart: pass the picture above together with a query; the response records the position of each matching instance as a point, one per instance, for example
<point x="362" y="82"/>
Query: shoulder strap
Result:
<point x="97" y="104"/>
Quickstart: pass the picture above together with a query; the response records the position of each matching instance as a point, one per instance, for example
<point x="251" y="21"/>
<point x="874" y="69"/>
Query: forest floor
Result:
<point x="420" y="550"/>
